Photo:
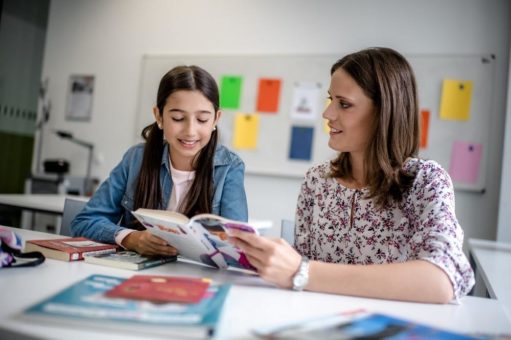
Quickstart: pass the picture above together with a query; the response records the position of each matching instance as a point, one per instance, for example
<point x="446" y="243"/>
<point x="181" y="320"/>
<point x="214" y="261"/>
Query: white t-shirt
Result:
<point x="182" y="182"/>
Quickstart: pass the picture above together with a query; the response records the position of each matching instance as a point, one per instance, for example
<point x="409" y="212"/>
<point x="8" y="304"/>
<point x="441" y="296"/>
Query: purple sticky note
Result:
<point x="465" y="161"/>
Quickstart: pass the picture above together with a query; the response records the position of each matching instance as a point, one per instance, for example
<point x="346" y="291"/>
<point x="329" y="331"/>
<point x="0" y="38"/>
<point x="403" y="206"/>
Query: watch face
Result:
<point x="298" y="281"/>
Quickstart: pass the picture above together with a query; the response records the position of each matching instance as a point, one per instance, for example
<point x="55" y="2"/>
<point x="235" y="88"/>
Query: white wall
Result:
<point x="504" y="225"/>
<point x="107" y="38"/>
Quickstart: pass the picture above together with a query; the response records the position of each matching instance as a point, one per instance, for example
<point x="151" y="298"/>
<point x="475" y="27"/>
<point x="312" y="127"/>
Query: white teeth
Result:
<point x="334" y="130"/>
<point x="188" y="142"/>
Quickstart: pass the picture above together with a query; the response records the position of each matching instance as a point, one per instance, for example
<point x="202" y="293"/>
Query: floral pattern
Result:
<point x="338" y="224"/>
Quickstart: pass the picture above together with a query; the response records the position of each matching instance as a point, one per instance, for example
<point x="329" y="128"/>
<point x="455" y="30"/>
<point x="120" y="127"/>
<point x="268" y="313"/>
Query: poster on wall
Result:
<point x="79" y="97"/>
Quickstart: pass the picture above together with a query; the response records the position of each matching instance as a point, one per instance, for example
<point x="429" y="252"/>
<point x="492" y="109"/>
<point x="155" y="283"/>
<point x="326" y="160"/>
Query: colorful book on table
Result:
<point x="69" y="249"/>
<point x="127" y="259"/>
<point x="202" y="238"/>
<point x="357" y="325"/>
<point x="85" y="304"/>
<point x="157" y="288"/>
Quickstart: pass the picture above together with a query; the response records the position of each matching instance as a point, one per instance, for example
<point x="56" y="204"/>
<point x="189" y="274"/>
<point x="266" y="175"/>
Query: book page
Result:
<point x="171" y="216"/>
<point x="189" y="240"/>
<point x="217" y="224"/>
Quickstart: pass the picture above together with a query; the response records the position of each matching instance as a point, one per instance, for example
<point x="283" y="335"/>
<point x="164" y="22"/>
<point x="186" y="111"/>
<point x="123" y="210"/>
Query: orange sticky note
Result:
<point x="268" y="96"/>
<point x="424" y="128"/>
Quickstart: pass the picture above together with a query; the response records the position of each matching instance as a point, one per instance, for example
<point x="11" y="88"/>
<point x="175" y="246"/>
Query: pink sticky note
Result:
<point x="465" y="161"/>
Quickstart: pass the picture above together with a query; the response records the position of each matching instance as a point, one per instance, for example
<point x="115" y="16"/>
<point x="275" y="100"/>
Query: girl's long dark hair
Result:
<point x="388" y="80"/>
<point x="148" y="193"/>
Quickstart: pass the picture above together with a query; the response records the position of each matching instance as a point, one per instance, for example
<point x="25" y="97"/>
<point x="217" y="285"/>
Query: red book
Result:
<point x="161" y="289"/>
<point x="69" y="249"/>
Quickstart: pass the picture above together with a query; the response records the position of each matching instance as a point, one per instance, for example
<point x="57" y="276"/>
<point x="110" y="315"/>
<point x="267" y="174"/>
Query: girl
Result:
<point x="179" y="167"/>
<point x="376" y="221"/>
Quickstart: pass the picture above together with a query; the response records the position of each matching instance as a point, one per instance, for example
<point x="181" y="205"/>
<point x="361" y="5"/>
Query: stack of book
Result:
<point x="173" y="307"/>
<point x="70" y="248"/>
<point x="127" y="259"/>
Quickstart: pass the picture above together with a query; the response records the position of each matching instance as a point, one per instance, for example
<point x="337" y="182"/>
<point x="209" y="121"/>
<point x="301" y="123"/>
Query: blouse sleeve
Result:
<point x="303" y="217"/>
<point x="439" y="237"/>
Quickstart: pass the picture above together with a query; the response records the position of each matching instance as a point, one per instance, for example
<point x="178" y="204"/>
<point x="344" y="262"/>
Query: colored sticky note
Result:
<point x="456" y="96"/>
<point x="246" y="130"/>
<point x="268" y="95"/>
<point x="230" y="92"/>
<point x="424" y="128"/>
<point x="326" y="128"/>
<point x="301" y="143"/>
<point x="306" y="100"/>
<point x="465" y="161"/>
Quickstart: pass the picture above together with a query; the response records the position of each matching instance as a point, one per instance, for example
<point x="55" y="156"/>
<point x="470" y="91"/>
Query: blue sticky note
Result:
<point x="301" y="143"/>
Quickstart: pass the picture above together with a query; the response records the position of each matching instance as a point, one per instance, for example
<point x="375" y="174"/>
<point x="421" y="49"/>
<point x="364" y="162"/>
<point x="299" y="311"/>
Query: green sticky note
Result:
<point x="230" y="92"/>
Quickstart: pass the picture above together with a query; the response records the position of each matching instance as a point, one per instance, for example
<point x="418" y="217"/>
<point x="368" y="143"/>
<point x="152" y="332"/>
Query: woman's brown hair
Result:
<point x="388" y="80"/>
<point x="148" y="192"/>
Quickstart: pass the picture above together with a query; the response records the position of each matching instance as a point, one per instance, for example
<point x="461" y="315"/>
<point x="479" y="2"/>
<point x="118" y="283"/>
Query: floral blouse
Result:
<point x="338" y="224"/>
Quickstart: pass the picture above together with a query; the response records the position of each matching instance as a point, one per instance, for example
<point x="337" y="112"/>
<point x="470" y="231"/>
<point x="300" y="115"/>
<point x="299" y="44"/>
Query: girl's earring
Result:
<point x="159" y="126"/>
<point x="214" y="128"/>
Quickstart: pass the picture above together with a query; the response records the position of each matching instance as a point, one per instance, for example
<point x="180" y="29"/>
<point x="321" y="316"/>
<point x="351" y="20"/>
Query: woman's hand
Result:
<point x="275" y="260"/>
<point x="145" y="243"/>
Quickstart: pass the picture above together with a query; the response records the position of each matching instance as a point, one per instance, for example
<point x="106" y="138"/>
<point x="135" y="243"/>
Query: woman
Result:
<point x="376" y="221"/>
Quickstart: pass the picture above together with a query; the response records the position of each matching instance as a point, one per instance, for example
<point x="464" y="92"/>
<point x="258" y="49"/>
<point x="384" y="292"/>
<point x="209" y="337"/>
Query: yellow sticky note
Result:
<point x="456" y="96"/>
<point x="246" y="130"/>
<point x="326" y="128"/>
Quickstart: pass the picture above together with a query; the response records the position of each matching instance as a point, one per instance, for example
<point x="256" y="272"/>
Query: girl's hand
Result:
<point x="275" y="260"/>
<point x="145" y="243"/>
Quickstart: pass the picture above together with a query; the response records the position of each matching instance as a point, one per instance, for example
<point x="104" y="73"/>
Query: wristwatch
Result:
<point x="301" y="277"/>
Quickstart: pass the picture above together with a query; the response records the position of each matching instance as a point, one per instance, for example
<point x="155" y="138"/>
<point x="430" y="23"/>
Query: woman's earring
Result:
<point x="159" y="126"/>
<point x="214" y="128"/>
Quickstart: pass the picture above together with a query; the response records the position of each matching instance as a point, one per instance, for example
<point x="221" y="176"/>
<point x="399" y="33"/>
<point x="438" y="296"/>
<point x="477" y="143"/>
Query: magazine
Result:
<point x="356" y="325"/>
<point x="202" y="238"/>
<point x="85" y="304"/>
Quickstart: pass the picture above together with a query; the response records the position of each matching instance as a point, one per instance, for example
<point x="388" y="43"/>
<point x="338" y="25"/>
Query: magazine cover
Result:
<point x="84" y="303"/>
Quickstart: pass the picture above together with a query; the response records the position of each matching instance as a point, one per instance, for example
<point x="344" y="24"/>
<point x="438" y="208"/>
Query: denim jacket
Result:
<point x="109" y="210"/>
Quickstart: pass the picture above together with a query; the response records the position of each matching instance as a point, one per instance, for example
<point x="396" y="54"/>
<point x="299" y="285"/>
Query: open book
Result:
<point x="202" y="238"/>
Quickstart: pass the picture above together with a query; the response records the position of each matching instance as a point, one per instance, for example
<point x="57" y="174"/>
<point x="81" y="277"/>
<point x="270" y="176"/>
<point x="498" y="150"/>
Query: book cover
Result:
<point x="157" y="288"/>
<point x="69" y="249"/>
<point x="127" y="259"/>
<point x="356" y="325"/>
<point x="202" y="238"/>
<point x="84" y="304"/>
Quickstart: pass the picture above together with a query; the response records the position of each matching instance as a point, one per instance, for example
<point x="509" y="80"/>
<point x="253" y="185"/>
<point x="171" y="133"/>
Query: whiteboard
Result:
<point x="271" y="157"/>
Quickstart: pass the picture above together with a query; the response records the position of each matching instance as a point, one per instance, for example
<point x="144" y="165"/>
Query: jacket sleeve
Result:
<point x="98" y="220"/>
<point x="233" y="204"/>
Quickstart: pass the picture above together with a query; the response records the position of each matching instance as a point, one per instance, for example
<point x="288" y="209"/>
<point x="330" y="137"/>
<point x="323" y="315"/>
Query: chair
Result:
<point x="287" y="231"/>
<point x="72" y="207"/>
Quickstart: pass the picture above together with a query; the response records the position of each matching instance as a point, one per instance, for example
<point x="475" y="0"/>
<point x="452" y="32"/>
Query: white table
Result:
<point x="45" y="203"/>
<point x="492" y="261"/>
<point x="54" y="204"/>
<point x="251" y="302"/>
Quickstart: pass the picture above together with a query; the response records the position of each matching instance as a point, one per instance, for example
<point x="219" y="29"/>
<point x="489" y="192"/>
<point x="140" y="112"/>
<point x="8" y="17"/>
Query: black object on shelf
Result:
<point x="56" y="166"/>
